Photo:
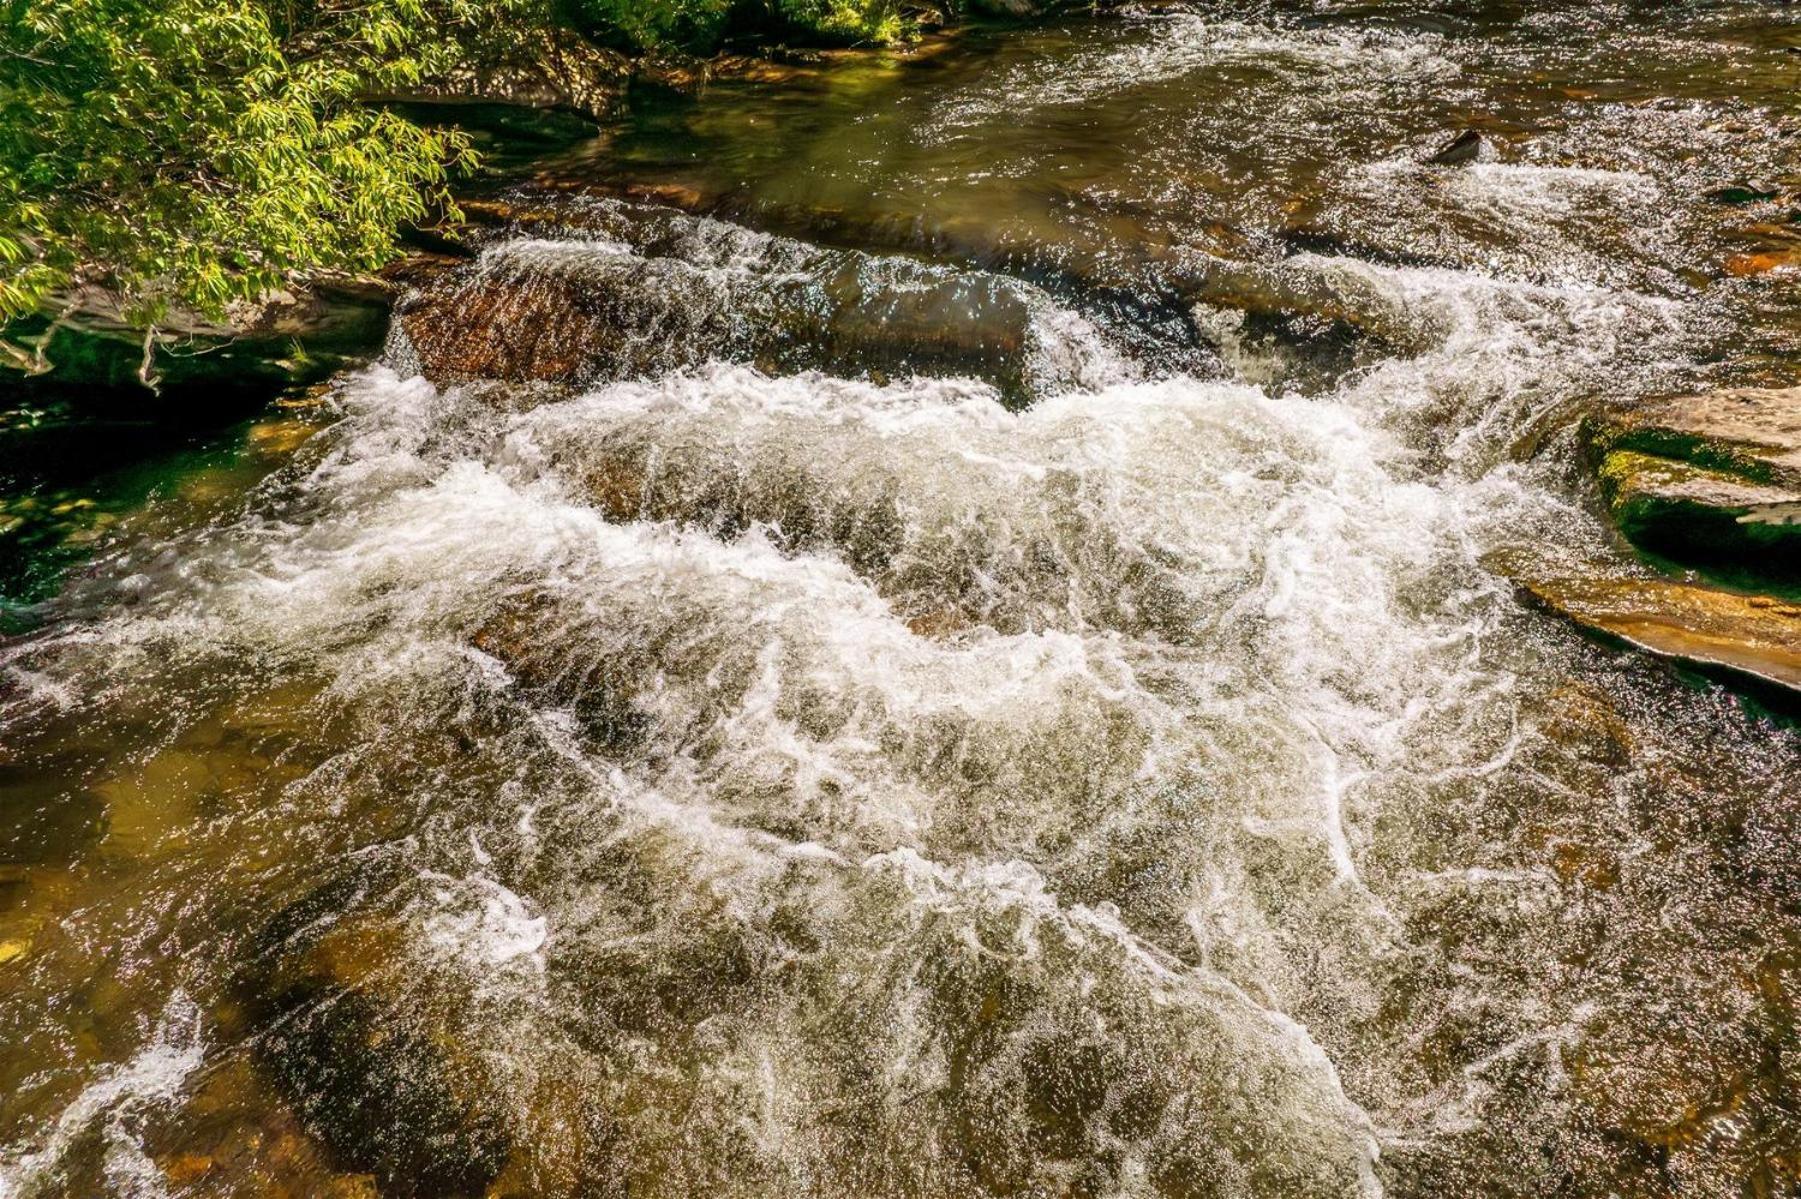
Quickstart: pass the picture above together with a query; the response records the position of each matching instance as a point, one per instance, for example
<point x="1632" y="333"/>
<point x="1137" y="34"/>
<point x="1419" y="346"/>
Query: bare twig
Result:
<point x="146" y="375"/>
<point x="40" y="358"/>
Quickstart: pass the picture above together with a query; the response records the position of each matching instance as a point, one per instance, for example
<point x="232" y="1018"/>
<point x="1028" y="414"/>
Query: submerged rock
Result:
<point x="387" y="1088"/>
<point x="1746" y="266"/>
<point x="1743" y="193"/>
<point x="1711" y="480"/>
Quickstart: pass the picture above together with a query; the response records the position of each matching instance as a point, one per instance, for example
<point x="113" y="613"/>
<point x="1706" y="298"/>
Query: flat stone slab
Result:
<point x="1712" y="481"/>
<point x="1706" y="517"/>
<point x="1756" y="637"/>
<point x="1754" y="432"/>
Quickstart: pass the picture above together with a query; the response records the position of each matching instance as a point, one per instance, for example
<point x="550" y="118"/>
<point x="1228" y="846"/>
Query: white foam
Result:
<point x="1175" y="44"/>
<point x="481" y="922"/>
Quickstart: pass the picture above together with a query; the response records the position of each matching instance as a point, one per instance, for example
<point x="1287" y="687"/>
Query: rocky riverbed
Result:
<point x="1068" y="615"/>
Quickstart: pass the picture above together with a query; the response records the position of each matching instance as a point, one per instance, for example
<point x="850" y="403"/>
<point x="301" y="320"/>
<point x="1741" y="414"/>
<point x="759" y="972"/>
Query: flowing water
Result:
<point x="941" y="626"/>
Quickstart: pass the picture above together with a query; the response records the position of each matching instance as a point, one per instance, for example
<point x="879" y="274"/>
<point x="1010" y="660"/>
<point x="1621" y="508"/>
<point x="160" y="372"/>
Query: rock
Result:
<point x="1466" y="147"/>
<point x="1754" y="432"/>
<point x="1710" y="480"/>
<point x="578" y="297"/>
<point x="1031" y="10"/>
<point x="425" y="1063"/>
<point x="366" y="1065"/>
<point x="1705" y="517"/>
<point x="1750" y="638"/>
<point x="1738" y="194"/>
<point x="232" y="1137"/>
<point x="1744" y="266"/>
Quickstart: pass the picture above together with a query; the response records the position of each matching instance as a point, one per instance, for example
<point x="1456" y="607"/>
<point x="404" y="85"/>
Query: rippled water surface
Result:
<point x="941" y="626"/>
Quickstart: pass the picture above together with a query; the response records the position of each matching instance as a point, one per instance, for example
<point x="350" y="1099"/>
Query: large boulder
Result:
<point x="583" y="292"/>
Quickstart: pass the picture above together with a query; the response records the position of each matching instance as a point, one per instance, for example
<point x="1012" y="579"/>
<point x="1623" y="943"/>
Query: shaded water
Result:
<point x="971" y="662"/>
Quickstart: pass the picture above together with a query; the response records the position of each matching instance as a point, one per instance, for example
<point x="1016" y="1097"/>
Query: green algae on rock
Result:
<point x="1754" y="432"/>
<point x="1707" y="517"/>
<point x="1712" y="481"/>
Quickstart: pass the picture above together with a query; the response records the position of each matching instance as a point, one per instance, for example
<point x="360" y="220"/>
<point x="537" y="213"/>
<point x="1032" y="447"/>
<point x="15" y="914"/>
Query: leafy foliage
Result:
<point x="201" y="150"/>
<point x="651" y="24"/>
<point x="847" y="21"/>
<point x="195" y="152"/>
<point x="698" y="25"/>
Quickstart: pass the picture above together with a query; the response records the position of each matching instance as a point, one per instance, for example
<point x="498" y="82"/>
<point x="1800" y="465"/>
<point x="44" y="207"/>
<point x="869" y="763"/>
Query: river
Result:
<point x="945" y="624"/>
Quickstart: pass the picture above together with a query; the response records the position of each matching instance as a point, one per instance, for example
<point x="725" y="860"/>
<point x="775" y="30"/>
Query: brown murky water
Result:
<point x="981" y="672"/>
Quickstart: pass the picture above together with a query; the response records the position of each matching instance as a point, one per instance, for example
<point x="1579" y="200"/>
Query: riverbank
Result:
<point x="100" y="413"/>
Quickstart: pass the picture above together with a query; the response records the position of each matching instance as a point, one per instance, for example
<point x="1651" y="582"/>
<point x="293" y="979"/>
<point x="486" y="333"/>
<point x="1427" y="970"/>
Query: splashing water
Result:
<point x="718" y="750"/>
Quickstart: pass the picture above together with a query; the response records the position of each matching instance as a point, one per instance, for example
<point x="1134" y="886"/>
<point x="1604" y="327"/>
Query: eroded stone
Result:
<point x="1752" y="432"/>
<point x="1702" y="516"/>
<point x="1711" y="480"/>
<point x="1754" y="637"/>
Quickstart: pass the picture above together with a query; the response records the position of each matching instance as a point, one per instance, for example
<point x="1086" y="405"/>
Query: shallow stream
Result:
<point x="943" y="625"/>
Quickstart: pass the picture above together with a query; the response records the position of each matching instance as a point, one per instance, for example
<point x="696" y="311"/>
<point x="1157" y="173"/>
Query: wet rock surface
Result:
<point x="386" y="1082"/>
<point x="580" y="293"/>
<point x="1757" y="637"/>
<point x="1751" y="432"/>
<point x="1703" y="517"/>
<point x="1465" y="147"/>
<point x="1711" y="480"/>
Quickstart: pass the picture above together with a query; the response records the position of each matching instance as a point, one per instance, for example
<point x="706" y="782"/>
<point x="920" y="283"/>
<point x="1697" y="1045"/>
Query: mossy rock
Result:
<point x="1752" y="433"/>
<point x="1705" y="517"/>
<point x="1711" y="481"/>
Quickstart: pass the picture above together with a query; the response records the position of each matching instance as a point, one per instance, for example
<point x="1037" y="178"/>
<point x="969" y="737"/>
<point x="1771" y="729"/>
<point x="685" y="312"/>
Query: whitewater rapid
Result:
<point x="668" y="759"/>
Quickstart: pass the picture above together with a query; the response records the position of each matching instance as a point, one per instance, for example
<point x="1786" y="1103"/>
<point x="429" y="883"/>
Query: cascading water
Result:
<point x="760" y="717"/>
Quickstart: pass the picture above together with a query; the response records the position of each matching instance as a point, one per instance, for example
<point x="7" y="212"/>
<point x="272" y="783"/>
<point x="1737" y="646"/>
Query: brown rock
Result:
<point x="1741" y="266"/>
<point x="1754" y="637"/>
<point x="558" y="305"/>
